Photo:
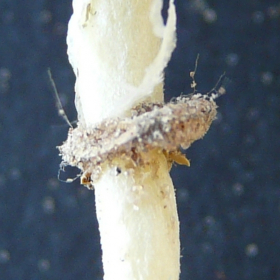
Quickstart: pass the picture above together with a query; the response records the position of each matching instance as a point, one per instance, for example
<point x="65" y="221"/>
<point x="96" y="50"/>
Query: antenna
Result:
<point x="220" y="87"/>
<point x="192" y="74"/>
<point x="58" y="104"/>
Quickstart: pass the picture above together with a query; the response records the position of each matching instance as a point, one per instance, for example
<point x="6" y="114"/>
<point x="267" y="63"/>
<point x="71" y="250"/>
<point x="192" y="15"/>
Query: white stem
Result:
<point x="138" y="223"/>
<point x="118" y="50"/>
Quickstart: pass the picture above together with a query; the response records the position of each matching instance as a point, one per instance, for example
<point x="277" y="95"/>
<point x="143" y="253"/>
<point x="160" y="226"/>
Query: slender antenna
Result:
<point x="218" y="91"/>
<point x="192" y="74"/>
<point x="68" y="180"/>
<point x="58" y="104"/>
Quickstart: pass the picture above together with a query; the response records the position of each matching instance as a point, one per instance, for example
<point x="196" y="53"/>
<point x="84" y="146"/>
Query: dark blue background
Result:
<point x="228" y="200"/>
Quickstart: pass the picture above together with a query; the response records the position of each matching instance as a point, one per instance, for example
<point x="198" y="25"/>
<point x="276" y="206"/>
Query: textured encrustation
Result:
<point x="151" y="126"/>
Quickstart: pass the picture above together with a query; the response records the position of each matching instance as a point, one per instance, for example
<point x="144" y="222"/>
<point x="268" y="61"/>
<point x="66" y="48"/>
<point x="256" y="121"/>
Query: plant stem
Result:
<point x="138" y="222"/>
<point x="126" y="138"/>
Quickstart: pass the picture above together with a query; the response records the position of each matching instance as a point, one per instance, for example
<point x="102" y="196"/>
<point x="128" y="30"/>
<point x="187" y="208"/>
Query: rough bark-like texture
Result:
<point x="163" y="127"/>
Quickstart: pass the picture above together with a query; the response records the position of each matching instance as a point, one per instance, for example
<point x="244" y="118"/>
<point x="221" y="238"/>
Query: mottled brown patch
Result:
<point x="152" y="126"/>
